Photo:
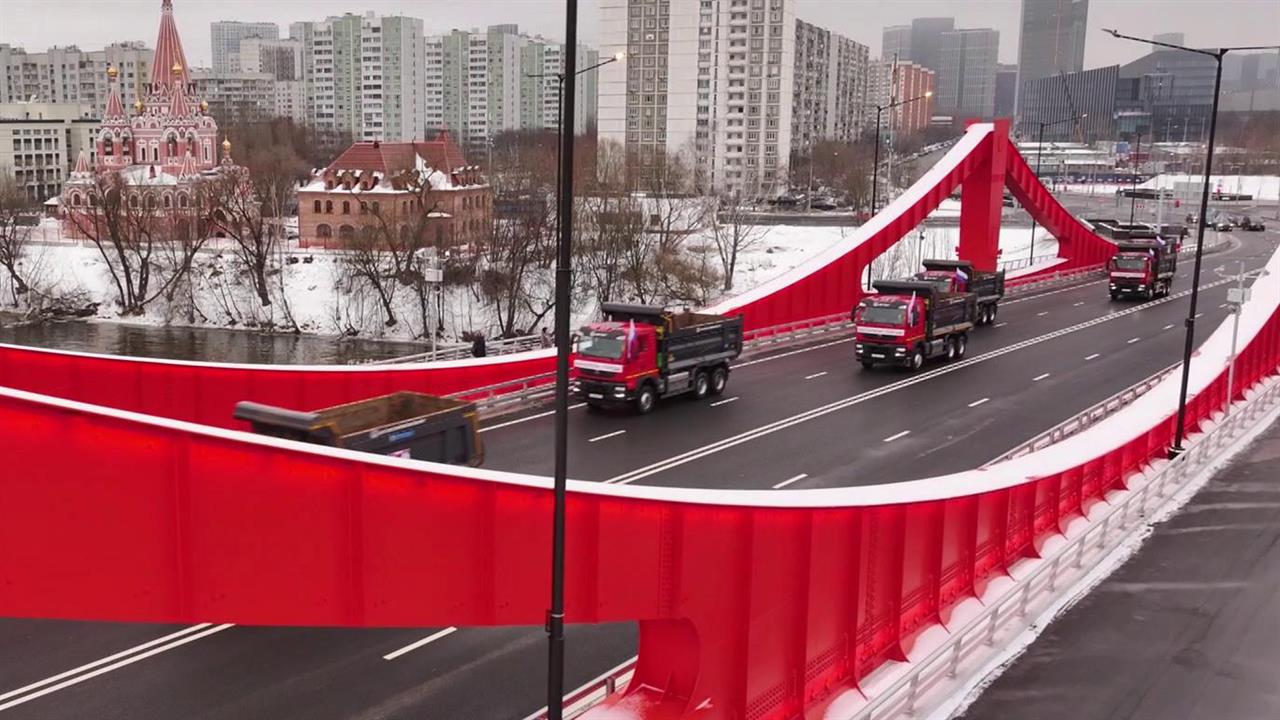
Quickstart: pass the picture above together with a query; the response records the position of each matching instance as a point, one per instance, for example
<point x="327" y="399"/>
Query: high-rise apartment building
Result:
<point x="282" y="59"/>
<point x="830" y="87"/>
<point x="226" y="37"/>
<point x="709" y="80"/>
<point x="967" y="81"/>
<point x="365" y="75"/>
<point x="39" y="143"/>
<point x="484" y="83"/>
<point x="1051" y="41"/>
<point x="72" y="75"/>
<point x="236" y="97"/>
<point x="888" y="83"/>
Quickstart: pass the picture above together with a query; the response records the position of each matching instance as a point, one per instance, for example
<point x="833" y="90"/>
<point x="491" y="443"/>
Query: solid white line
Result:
<point x="785" y="483"/>
<point x="1038" y="378"/>
<point x="424" y="641"/>
<point x="105" y="660"/>
<point x="976" y="403"/>
<point x="1000" y="324"/>
<point x="1167" y="327"/>
<point x="891" y="438"/>
<point x="606" y="436"/>
<point x="815" y="375"/>
<point x="1042" y="314"/>
<point x="1094" y="356"/>
<point x="1131" y="341"/>
<point x="127" y="661"/>
<point x="726" y="401"/>
<point x="509" y="423"/>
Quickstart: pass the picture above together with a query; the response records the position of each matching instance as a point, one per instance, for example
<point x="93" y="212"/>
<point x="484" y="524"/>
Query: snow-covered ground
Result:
<point x="309" y="291"/>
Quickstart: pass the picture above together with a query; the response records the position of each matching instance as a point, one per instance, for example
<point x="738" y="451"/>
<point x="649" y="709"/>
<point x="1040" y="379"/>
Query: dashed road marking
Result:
<point x="606" y="436"/>
<point x="424" y="641"/>
<point x="1038" y="378"/>
<point x="976" y="403"/>
<point x="1094" y="356"/>
<point x="815" y="375"/>
<point x="785" y="483"/>
<point x="726" y="401"/>
<point x="902" y="434"/>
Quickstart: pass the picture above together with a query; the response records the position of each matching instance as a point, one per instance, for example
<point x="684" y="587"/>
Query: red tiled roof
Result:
<point x="391" y="157"/>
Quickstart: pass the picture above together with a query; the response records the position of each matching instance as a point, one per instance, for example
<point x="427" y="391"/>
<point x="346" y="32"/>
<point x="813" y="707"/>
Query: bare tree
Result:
<point x="128" y="224"/>
<point x="16" y="211"/>
<point x="733" y="234"/>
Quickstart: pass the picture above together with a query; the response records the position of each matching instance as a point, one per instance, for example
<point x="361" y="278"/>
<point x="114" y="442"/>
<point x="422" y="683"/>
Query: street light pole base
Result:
<point x="1175" y="451"/>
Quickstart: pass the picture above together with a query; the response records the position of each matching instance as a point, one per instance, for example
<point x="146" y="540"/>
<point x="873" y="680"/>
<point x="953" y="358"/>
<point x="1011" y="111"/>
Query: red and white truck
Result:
<point x="1144" y="268"/>
<point x="640" y="353"/>
<point x="910" y="321"/>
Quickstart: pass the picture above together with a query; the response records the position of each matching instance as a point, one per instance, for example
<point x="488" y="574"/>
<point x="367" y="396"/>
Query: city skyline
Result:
<point x="89" y="24"/>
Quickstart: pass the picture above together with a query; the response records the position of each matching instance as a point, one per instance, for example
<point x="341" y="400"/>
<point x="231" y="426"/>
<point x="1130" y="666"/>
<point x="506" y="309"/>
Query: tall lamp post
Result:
<point x="1189" y="347"/>
<point x="1133" y="191"/>
<point x="875" y="163"/>
<point x="1031" y="254"/>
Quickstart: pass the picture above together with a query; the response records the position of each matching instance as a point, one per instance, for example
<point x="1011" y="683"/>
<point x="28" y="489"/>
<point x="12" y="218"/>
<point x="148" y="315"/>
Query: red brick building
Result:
<point x="411" y="187"/>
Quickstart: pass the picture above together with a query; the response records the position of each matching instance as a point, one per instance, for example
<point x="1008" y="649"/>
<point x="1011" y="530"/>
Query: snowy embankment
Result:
<point x="312" y="290"/>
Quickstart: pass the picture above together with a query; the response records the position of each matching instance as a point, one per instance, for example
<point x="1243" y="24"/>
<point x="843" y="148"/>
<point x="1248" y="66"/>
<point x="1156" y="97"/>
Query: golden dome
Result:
<point x="226" y="144"/>
<point x="112" y="72"/>
<point x="204" y="106"/>
<point x="137" y="105"/>
<point x="177" y="68"/>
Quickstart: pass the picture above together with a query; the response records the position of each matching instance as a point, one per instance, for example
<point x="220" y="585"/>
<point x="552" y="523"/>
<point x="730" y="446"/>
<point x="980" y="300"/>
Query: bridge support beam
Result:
<point x="981" y="196"/>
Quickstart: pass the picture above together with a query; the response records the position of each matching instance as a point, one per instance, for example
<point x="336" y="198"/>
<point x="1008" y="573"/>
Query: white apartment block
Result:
<point x="236" y="97"/>
<point x="282" y="59"/>
<point x="365" y="75"/>
<point x="39" y="144"/>
<point x="830" y="87"/>
<point x="713" y="80"/>
<point x="290" y="100"/>
<point x="62" y="75"/>
<point x="227" y="37"/>
<point x="500" y="80"/>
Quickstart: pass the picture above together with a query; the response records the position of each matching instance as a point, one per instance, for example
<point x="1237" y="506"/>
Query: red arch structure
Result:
<point x="982" y="164"/>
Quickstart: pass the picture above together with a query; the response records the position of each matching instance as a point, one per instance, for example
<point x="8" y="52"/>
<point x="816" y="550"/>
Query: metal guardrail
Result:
<point x="1086" y="418"/>
<point x="1064" y="277"/>
<point x="462" y="351"/>
<point x="975" y="642"/>
<point x="1019" y="263"/>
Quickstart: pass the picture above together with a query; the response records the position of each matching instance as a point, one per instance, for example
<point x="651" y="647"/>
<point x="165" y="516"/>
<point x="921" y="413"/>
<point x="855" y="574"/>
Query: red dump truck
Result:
<point x="910" y="321"/>
<point x="959" y="276"/>
<point x="640" y="353"/>
<point x="1143" y="268"/>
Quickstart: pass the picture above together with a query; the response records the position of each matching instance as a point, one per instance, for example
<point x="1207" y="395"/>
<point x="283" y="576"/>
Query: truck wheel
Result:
<point x="719" y="380"/>
<point x="646" y="398"/>
<point x="951" y="348"/>
<point x="701" y="385"/>
<point x="917" y="359"/>
<point x="962" y="344"/>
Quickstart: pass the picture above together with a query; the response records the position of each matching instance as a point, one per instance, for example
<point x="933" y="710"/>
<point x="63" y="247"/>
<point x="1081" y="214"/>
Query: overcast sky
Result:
<point x="91" y="24"/>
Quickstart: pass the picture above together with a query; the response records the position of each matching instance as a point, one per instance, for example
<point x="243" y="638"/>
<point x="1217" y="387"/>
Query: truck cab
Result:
<point x="910" y="321"/>
<point x="640" y="353"/>
<point x="1143" y="268"/>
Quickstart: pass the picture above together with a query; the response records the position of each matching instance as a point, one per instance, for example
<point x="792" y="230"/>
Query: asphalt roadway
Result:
<point x="802" y="417"/>
<point x="1187" y="629"/>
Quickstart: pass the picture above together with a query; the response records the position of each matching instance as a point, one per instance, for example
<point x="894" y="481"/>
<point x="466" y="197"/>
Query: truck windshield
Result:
<point x="881" y="315"/>
<point x="1132" y="262"/>
<point x="601" y="346"/>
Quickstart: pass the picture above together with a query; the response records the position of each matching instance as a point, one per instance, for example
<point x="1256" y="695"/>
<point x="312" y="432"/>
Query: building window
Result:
<point x="346" y="207"/>
<point x="328" y="207"/>
<point x="324" y="231"/>
<point x="315" y="206"/>
<point x="346" y="233"/>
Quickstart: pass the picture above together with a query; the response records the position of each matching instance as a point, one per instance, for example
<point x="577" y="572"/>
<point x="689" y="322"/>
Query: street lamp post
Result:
<point x="1189" y="346"/>
<point x="1133" y="191"/>
<point x="875" y="162"/>
<point x="1031" y="254"/>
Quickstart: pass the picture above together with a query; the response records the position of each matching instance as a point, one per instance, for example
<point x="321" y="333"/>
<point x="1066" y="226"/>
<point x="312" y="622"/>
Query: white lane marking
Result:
<point x="424" y="641"/>
<point x="1077" y="304"/>
<point x="785" y="483"/>
<point x="814" y="413"/>
<point x="1042" y="314"/>
<point x="1222" y="305"/>
<point x="1167" y="327"/>
<point x="606" y="436"/>
<point x="725" y="401"/>
<point x="902" y="434"/>
<point x="105" y="660"/>
<point x="1000" y="324"/>
<point x="1131" y="341"/>
<point x="779" y="356"/>
<point x="976" y="403"/>
<point x="1038" y="378"/>
<point x="1198" y="315"/>
<point x="127" y="661"/>
<point x="1094" y="356"/>
<point x="815" y="375"/>
<point x="509" y="423"/>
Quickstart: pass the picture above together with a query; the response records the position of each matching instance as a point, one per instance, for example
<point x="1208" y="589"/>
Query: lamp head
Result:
<point x="929" y="94"/>
<point x="620" y="55"/>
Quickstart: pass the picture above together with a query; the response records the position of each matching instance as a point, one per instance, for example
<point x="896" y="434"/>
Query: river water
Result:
<point x="204" y="344"/>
